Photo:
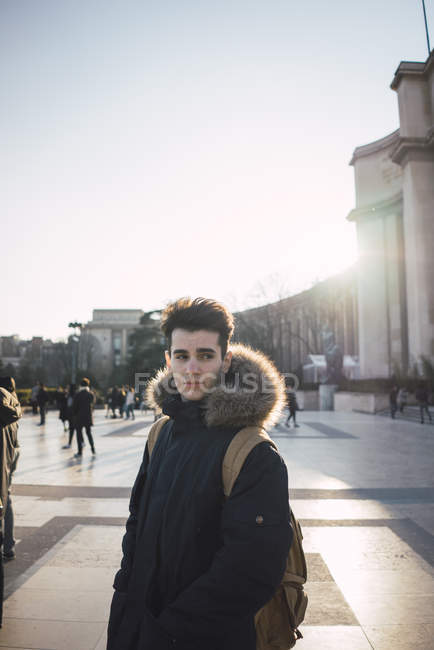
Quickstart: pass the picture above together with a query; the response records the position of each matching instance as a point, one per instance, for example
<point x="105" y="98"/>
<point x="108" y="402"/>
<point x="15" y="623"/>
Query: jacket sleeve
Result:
<point x="10" y="409"/>
<point x="249" y="566"/>
<point x="129" y="540"/>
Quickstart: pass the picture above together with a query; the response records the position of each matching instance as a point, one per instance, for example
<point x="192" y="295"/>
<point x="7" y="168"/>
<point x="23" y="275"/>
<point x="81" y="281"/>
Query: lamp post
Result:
<point x="426" y="28"/>
<point x="75" y="338"/>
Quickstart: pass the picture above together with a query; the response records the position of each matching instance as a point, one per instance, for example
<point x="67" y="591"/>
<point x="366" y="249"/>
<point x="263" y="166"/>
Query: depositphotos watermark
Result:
<point x="246" y="383"/>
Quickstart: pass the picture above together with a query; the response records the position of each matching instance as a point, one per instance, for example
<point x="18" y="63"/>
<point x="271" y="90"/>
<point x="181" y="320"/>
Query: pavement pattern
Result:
<point x="362" y="487"/>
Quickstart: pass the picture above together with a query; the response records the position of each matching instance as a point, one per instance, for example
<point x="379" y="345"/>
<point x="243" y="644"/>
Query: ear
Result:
<point x="227" y="362"/>
<point x="167" y="357"/>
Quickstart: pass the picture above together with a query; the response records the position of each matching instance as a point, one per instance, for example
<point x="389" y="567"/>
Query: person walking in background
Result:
<point x="82" y="409"/>
<point x="422" y="398"/>
<point x="61" y="400"/>
<point x="129" y="403"/>
<point x="108" y="402"/>
<point x="34" y="399"/>
<point x="13" y="446"/>
<point x="393" y="400"/>
<point x="42" y="402"/>
<point x="402" y="399"/>
<point x="121" y="401"/>
<point x="10" y="413"/>
<point x="114" y="402"/>
<point x="70" y="415"/>
<point x="291" y="399"/>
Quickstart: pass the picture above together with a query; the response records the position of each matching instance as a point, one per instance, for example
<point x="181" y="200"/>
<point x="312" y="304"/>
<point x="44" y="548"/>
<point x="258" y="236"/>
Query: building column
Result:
<point x="414" y="83"/>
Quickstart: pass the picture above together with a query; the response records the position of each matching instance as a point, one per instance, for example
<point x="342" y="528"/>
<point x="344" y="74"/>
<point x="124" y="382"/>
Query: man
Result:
<point x="291" y="398"/>
<point x="196" y="567"/>
<point x="393" y="400"/>
<point x="42" y="403"/>
<point x="10" y="413"/>
<point x="422" y="397"/>
<point x="82" y="410"/>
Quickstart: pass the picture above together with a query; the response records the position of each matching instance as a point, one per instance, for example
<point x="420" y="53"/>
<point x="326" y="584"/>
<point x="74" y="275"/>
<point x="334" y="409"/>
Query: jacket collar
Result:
<point x="252" y="393"/>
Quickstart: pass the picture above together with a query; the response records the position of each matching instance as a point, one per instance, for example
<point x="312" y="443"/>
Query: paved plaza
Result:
<point x="361" y="485"/>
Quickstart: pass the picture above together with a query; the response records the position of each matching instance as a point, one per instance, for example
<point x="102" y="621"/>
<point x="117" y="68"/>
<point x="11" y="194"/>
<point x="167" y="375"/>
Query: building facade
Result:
<point x="292" y="330"/>
<point x="104" y="341"/>
<point x="394" y="217"/>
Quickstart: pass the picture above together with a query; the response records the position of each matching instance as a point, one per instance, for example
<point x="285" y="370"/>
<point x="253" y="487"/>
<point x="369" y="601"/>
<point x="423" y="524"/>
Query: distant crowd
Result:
<point x="398" y="398"/>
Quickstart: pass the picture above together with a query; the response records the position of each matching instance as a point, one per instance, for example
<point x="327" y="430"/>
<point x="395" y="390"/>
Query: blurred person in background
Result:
<point x="61" y="399"/>
<point x="34" y="399"/>
<point x="82" y="408"/>
<point x="129" y="403"/>
<point x="70" y="414"/>
<point x="42" y="402"/>
<point x="10" y="413"/>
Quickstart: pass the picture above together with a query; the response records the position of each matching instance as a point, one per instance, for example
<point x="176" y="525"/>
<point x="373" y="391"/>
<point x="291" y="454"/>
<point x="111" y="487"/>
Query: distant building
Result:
<point x="104" y="341"/>
<point x="394" y="216"/>
<point x="290" y="331"/>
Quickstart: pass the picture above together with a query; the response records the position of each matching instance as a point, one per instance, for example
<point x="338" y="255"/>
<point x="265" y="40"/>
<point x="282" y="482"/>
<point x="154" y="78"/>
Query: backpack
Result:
<point x="278" y="621"/>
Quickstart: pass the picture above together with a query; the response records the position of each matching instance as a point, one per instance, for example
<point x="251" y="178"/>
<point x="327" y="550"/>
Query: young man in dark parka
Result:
<point x="196" y="567"/>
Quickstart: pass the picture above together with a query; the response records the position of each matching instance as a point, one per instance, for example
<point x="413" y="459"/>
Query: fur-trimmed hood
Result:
<point x="252" y="393"/>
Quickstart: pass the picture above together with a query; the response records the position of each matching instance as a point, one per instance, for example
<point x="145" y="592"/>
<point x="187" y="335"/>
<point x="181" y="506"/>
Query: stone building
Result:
<point x="394" y="217"/>
<point x="104" y="341"/>
<point x="291" y="330"/>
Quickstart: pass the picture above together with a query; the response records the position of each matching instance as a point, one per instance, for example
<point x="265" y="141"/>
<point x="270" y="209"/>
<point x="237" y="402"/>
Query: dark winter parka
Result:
<point x="82" y="407"/>
<point x="196" y="568"/>
<point x="10" y="413"/>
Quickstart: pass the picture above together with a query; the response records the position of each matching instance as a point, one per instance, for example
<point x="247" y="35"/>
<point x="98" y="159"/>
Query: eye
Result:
<point x="181" y="356"/>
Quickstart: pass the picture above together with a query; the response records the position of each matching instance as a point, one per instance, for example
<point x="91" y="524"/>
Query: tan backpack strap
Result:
<point x="154" y="432"/>
<point x="239" y="448"/>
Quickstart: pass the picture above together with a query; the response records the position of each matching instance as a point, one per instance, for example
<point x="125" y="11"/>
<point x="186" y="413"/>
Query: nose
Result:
<point x="193" y="366"/>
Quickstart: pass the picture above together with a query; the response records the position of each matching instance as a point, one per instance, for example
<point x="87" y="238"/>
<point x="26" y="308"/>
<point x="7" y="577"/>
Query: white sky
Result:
<point x="152" y="149"/>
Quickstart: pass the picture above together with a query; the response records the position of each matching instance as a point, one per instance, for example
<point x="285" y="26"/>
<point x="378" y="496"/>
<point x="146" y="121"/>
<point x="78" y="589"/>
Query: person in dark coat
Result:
<point x="291" y="400"/>
<point x="82" y="409"/>
<point x="393" y="400"/>
<point x="8" y="521"/>
<point x="422" y="398"/>
<point x="196" y="567"/>
<point x="10" y="413"/>
<point x="42" y="402"/>
<point x="114" y="400"/>
<point x="71" y="390"/>
<point x="61" y="399"/>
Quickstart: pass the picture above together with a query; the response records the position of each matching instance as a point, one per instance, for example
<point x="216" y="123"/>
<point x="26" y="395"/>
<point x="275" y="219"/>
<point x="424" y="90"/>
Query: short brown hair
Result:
<point x="85" y="382"/>
<point x="198" y="314"/>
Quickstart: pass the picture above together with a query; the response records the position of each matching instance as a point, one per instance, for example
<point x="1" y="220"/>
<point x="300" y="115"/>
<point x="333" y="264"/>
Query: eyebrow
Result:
<point x="201" y="350"/>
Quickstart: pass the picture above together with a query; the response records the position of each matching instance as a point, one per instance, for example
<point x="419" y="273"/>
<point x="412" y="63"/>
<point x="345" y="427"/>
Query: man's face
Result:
<point x="196" y="362"/>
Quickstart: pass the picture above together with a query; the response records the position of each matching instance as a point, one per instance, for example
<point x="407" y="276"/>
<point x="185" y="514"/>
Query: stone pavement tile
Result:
<point x="391" y="609"/>
<point x="92" y="546"/>
<point x="317" y="569"/>
<point x="335" y="637"/>
<point x="71" y="579"/>
<point x="410" y="582"/>
<point x="339" y="508"/>
<point x="401" y="637"/>
<point x="89" y="606"/>
<point x="50" y="635"/>
<point x="327" y="605"/>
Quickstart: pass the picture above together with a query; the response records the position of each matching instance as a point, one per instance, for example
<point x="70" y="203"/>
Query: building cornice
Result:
<point x="376" y="146"/>
<point x="408" y="149"/>
<point x="377" y="210"/>
<point x="413" y="69"/>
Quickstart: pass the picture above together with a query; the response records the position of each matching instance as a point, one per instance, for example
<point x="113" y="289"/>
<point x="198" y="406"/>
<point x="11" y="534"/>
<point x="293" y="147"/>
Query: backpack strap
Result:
<point x="239" y="448"/>
<point x="154" y="432"/>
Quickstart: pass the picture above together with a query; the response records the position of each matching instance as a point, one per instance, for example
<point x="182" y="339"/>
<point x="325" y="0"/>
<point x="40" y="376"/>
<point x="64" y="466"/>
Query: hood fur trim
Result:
<point x="252" y="393"/>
